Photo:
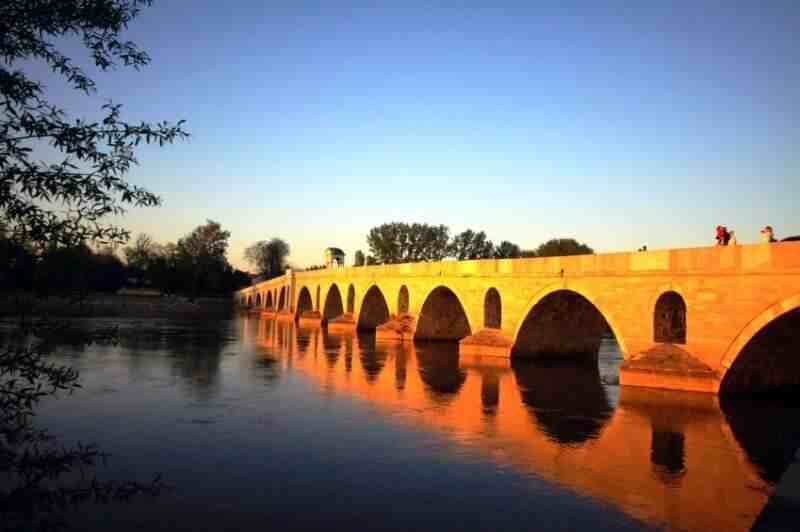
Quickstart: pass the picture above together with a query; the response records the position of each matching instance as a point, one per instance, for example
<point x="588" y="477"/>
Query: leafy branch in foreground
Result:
<point x="68" y="200"/>
<point x="61" y="180"/>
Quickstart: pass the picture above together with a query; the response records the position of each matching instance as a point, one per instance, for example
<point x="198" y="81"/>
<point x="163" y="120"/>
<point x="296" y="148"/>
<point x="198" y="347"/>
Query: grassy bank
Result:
<point x="116" y="305"/>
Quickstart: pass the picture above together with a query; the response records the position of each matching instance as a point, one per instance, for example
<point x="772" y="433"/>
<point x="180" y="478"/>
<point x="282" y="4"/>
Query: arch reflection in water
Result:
<point x="568" y="401"/>
<point x="671" y="459"/>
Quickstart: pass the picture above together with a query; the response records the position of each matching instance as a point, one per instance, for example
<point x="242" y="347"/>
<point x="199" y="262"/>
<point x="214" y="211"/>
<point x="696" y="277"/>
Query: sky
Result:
<point x="615" y="123"/>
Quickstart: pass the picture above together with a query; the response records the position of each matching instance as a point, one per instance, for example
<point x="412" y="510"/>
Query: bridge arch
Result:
<point x="333" y="303"/>
<point x="554" y="314"/>
<point x="304" y="303"/>
<point x="258" y="300"/>
<point x="250" y="300"/>
<point x="269" y="303"/>
<point x="492" y="309"/>
<point x="669" y="318"/>
<point x="374" y="310"/>
<point x="764" y="355"/>
<point x="403" y="301"/>
<point x="282" y="298"/>
<point x="351" y="299"/>
<point x="442" y="317"/>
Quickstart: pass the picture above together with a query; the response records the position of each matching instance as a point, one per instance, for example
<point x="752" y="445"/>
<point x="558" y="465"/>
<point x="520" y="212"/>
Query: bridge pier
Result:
<point x="343" y="323"/>
<point x="489" y="342"/>
<point x="668" y="367"/>
<point x="399" y="329"/>
<point x="310" y="318"/>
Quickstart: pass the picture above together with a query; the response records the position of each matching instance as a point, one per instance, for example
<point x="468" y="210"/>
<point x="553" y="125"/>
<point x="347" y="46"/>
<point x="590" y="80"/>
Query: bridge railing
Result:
<point x="780" y="257"/>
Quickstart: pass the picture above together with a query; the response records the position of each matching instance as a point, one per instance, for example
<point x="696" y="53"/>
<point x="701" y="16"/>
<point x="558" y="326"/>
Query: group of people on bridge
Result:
<point x="727" y="237"/>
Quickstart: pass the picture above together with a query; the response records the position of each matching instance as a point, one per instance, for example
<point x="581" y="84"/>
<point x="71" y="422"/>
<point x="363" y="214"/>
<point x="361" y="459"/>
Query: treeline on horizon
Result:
<point x="194" y="265"/>
<point x="398" y="242"/>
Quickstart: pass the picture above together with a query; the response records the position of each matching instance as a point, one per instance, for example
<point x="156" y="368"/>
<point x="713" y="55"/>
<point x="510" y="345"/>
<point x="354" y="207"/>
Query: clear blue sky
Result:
<point x="617" y="123"/>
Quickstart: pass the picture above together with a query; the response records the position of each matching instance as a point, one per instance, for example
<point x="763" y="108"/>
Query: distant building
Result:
<point x="334" y="258"/>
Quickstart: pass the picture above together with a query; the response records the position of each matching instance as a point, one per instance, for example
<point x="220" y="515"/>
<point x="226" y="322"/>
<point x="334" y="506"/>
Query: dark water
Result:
<point x="260" y="426"/>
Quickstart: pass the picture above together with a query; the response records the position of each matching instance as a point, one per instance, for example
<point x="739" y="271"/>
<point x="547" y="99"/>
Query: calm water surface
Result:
<point x="260" y="425"/>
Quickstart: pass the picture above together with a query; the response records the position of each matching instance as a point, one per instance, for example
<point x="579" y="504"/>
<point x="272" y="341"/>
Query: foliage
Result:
<point x="507" y="250"/>
<point x="48" y="209"/>
<point x="470" y="245"/>
<point x="397" y="242"/>
<point x="68" y="200"/>
<point x="269" y="257"/>
<point x="562" y="247"/>
<point x="359" y="259"/>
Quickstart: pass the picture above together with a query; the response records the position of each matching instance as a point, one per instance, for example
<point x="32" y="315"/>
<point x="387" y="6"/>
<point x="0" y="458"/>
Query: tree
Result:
<point x="87" y="181"/>
<point x="268" y="256"/>
<point x="359" y="258"/>
<point x="201" y="254"/>
<point x="59" y="204"/>
<point x="507" y="250"/>
<point x="397" y="242"/>
<point x="561" y="247"/>
<point x="471" y="245"/>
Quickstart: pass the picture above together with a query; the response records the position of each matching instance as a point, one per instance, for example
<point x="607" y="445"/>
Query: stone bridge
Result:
<point x="717" y="319"/>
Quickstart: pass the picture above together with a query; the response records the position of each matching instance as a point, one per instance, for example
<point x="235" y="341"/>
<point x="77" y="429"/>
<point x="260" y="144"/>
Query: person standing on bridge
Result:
<point x="722" y="235"/>
<point x="767" y="235"/>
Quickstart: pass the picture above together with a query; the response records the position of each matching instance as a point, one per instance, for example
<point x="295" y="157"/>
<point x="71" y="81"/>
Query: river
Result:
<point x="258" y="425"/>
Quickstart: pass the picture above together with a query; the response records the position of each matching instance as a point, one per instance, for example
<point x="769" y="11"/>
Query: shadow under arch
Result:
<point x="304" y="303"/>
<point x="439" y="370"/>
<point x="333" y="303"/>
<point x="374" y="310"/>
<point x="351" y="299"/>
<point x="568" y="401"/>
<point x="769" y="362"/>
<point x="269" y="303"/>
<point x="258" y="300"/>
<point x="492" y="309"/>
<point x="669" y="318"/>
<point x="282" y="298"/>
<point x="442" y="317"/>
<point x="562" y="324"/>
<point x="403" y="300"/>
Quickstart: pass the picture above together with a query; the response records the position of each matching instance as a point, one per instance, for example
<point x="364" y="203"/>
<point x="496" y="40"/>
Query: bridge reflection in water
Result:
<point x="668" y="458"/>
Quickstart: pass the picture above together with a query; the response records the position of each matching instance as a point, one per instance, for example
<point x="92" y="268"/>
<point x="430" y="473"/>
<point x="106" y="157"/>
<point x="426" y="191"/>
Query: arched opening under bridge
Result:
<point x="282" y="298"/>
<point x="442" y="317"/>
<point x="269" y="304"/>
<point x="258" y="300"/>
<point x="304" y="303"/>
<point x="563" y="324"/>
<point x="374" y="310"/>
<point x="770" y="362"/>
<point x="492" y="310"/>
<point x="249" y="301"/>
<point x="351" y="299"/>
<point x="669" y="320"/>
<point x="333" y="304"/>
<point x="402" y="300"/>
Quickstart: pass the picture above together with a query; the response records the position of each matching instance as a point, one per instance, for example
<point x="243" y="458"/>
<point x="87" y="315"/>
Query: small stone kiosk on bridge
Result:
<point x="723" y="319"/>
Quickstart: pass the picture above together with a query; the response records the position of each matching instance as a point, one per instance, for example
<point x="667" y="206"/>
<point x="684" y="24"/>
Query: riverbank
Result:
<point x="127" y="305"/>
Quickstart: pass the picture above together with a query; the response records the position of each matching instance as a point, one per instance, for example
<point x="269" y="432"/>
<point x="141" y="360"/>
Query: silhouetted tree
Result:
<point x="471" y="245"/>
<point x="359" y="258"/>
<point x="507" y="250"/>
<point x="397" y="242"/>
<point x="561" y="247"/>
<point x="201" y="255"/>
<point x="58" y="205"/>
<point x="268" y="256"/>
